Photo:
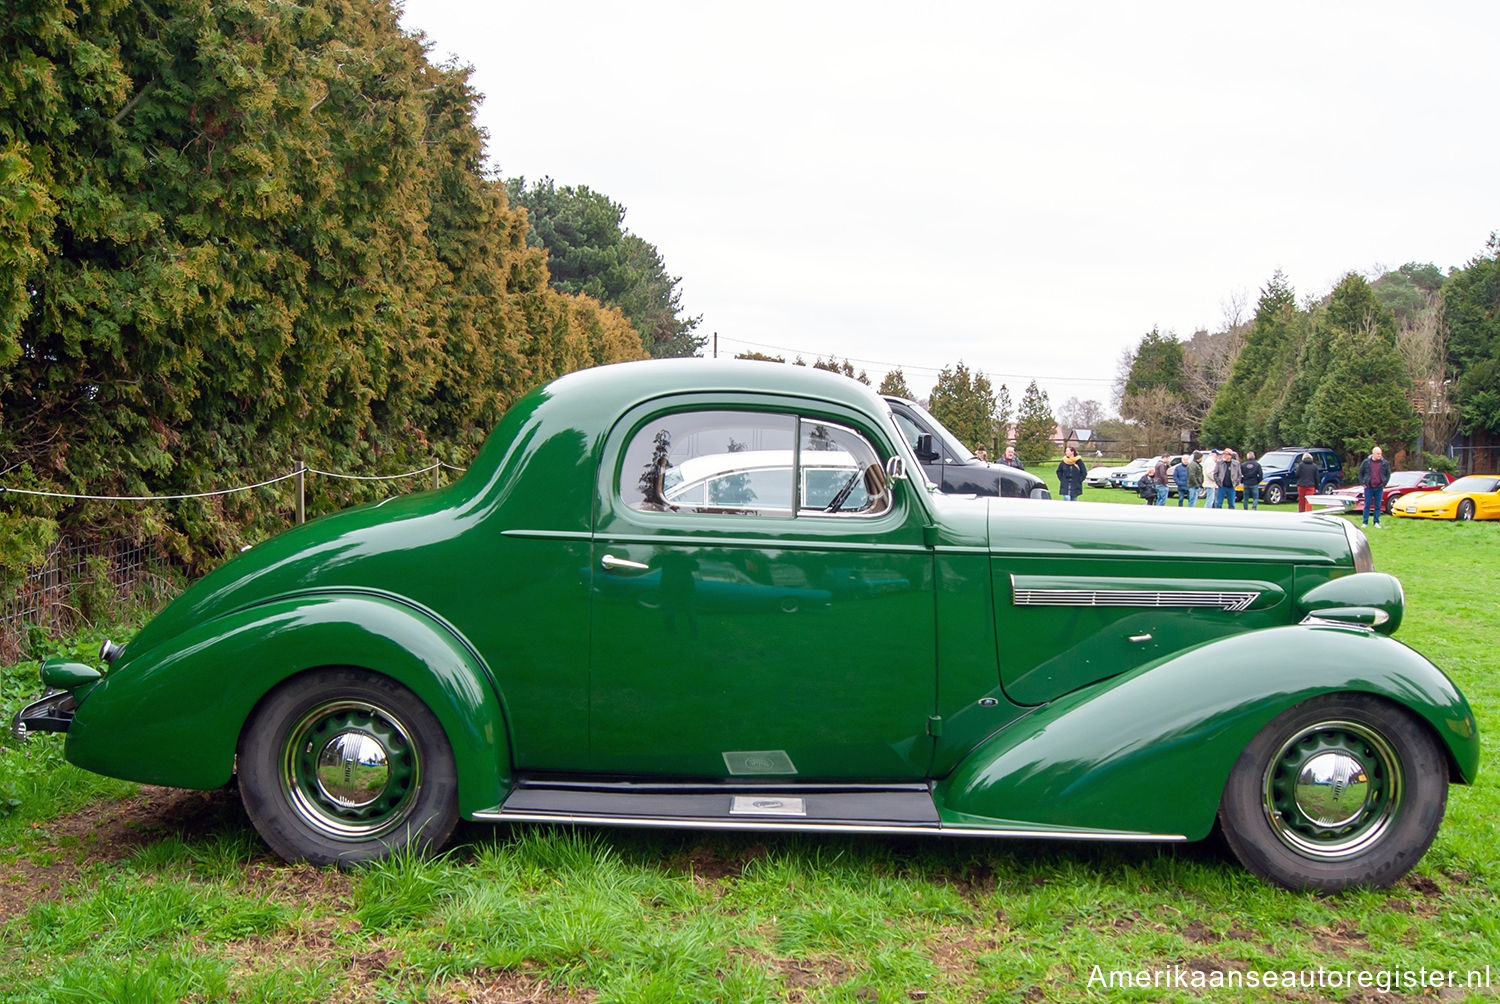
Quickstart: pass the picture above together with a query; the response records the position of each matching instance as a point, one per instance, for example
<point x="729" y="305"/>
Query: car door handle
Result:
<point x="610" y="561"/>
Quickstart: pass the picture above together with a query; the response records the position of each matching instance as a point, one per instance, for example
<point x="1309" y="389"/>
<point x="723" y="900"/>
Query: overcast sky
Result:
<point x="1028" y="188"/>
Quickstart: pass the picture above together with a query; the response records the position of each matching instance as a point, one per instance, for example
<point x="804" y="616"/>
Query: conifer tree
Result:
<point x="1035" y="425"/>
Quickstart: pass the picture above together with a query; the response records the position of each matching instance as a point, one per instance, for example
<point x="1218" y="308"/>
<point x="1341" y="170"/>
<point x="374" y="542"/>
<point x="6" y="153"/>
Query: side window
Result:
<point x="750" y="464"/>
<point x="711" y="461"/>
<point x="840" y="472"/>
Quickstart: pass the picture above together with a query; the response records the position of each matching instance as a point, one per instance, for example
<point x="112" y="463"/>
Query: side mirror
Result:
<point x="895" y="469"/>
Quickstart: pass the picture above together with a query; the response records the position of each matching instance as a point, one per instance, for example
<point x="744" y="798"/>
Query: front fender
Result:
<point x="1150" y="751"/>
<point x="172" y="714"/>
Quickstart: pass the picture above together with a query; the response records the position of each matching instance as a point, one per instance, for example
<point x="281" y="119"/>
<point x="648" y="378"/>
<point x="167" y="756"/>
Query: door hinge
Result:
<point x="929" y="535"/>
<point x="934" y="725"/>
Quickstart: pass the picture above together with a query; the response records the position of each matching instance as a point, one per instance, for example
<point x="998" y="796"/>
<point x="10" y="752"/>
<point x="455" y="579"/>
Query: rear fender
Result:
<point x="172" y="714"/>
<point x="1150" y="751"/>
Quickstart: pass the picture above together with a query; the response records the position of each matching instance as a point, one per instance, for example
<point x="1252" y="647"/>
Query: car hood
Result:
<point x="1433" y="500"/>
<point x="1102" y="530"/>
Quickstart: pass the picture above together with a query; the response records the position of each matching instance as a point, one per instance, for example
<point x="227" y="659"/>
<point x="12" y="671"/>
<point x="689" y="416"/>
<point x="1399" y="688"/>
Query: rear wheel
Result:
<point x="1340" y="791"/>
<point x="1466" y="509"/>
<point x="345" y="765"/>
<point x="1275" y="494"/>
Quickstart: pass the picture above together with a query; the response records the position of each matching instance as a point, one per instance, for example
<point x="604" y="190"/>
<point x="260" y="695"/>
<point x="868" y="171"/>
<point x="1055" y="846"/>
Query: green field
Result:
<point x="113" y="893"/>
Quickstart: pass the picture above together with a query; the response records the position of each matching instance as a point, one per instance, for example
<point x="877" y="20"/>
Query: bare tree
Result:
<point x="1076" y="414"/>
<point x="1162" y="416"/>
<point x="1233" y="307"/>
<point x="1423" y="344"/>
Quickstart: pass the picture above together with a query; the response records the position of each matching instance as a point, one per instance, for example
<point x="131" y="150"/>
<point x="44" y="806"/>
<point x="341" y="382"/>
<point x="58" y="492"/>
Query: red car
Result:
<point x="1401" y="483"/>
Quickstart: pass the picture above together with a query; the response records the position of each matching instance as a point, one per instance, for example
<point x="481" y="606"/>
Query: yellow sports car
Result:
<point x="1474" y="497"/>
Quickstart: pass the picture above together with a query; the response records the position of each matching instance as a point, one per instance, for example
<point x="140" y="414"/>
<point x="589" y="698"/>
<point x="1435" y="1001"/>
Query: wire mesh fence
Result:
<point x="56" y="596"/>
<point x="77" y="576"/>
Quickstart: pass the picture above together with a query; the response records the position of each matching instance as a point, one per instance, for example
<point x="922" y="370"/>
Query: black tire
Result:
<point x="1390" y="505"/>
<point x="1371" y="762"/>
<point x="344" y="765"/>
<point x="1465" y="510"/>
<point x="1328" y="487"/>
<point x="1275" y="494"/>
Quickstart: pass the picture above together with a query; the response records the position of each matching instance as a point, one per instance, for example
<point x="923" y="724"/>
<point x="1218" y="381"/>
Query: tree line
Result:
<point x="1405" y="362"/>
<point x="240" y="234"/>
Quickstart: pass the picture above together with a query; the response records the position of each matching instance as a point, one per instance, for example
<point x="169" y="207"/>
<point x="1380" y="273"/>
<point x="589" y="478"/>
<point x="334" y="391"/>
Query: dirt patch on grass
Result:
<point x="107" y="831"/>
<point x="506" y="988"/>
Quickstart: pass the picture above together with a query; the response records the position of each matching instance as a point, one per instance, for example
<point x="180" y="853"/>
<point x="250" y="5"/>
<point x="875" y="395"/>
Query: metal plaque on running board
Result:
<point x="762" y="805"/>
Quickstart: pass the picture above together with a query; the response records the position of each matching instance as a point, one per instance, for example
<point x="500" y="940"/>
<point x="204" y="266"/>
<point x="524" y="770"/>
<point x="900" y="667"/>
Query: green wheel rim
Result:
<point x="1332" y="791"/>
<point x="350" y="770"/>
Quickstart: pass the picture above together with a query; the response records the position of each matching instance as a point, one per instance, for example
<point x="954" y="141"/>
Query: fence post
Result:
<point x="437" y="472"/>
<point x="301" y="491"/>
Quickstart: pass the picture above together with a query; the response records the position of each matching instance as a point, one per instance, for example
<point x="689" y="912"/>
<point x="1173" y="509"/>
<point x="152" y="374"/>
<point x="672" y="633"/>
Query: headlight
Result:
<point x="1359" y="546"/>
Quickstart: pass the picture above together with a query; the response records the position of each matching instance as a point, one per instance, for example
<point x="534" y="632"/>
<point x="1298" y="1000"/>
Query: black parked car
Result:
<point x="950" y="464"/>
<point x="1279" y="472"/>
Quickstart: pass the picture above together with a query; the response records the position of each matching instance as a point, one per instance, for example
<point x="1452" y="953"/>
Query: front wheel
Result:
<point x="1466" y="509"/>
<point x="1275" y="495"/>
<point x="1340" y="791"/>
<point x="344" y="765"/>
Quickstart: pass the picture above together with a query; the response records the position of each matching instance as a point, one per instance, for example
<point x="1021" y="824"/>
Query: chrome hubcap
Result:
<point x="350" y="770"/>
<point x="1333" y="789"/>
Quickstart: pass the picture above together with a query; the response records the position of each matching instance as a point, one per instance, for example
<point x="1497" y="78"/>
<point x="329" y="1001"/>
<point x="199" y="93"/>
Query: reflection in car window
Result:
<point x="841" y="472"/>
<point x="743" y="463"/>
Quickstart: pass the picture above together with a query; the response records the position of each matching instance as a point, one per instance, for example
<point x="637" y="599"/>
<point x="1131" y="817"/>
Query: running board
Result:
<point x="882" y="809"/>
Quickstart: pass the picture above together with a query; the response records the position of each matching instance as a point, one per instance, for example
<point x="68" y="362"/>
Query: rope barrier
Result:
<point x="377" y="477"/>
<point x="230" y="491"/>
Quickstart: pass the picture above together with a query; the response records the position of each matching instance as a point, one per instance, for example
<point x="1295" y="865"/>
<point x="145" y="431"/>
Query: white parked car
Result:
<point x="1098" y="477"/>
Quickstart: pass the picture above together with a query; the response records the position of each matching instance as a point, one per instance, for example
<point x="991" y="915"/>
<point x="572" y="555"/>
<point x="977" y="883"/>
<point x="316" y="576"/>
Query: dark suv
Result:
<point x="1279" y="472"/>
<point x="952" y="466"/>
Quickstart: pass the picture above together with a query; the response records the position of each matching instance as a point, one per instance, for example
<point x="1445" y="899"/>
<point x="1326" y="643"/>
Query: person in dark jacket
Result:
<point x="1195" y="477"/>
<point x="1374" y="473"/>
<point x="1251" y="474"/>
<point x="1070" y="472"/>
<point x="1307" y="482"/>
<point x="1160" y="476"/>
<point x="1180" y="479"/>
<point x="1009" y="459"/>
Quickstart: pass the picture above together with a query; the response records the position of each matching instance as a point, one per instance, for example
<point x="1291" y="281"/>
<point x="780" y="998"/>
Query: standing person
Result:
<point x="1251" y="471"/>
<point x="1180" y="479"/>
<point x="982" y="453"/>
<point x="1234" y="475"/>
<point x="1307" y="482"/>
<point x="1195" y="477"/>
<point x="1220" y="475"/>
<point x="1070" y="472"/>
<point x="1373" y="475"/>
<point x="1010" y="459"/>
<point x="1159" y="475"/>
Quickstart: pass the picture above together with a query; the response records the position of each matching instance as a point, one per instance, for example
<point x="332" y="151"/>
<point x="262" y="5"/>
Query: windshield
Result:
<point x="1407" y="479"/>
<point x="950" y="441"/>
<point x="1280" y="458"/>
<point x="1475" y="483"/>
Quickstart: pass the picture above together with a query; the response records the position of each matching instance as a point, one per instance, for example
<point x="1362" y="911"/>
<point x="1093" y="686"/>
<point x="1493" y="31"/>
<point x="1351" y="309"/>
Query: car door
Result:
<point x="762" y="601"/>
<point x="1487" y="504"/>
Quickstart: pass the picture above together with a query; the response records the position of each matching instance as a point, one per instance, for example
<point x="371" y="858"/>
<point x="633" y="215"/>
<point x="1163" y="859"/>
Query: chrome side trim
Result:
<point x="699" y="823"/>
<point x="1233" y="602"/>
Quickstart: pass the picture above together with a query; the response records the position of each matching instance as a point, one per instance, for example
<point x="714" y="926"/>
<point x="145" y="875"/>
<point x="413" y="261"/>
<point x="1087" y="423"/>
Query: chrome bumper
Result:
<point x="52" y="712"/>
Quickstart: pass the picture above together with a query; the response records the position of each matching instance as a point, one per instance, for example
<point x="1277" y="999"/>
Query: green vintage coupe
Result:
<point x="721" y="595"/>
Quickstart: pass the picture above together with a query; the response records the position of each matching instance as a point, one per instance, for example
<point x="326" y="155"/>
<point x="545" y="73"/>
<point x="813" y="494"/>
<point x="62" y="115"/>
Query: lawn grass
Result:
<point x="184" y="903"/>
